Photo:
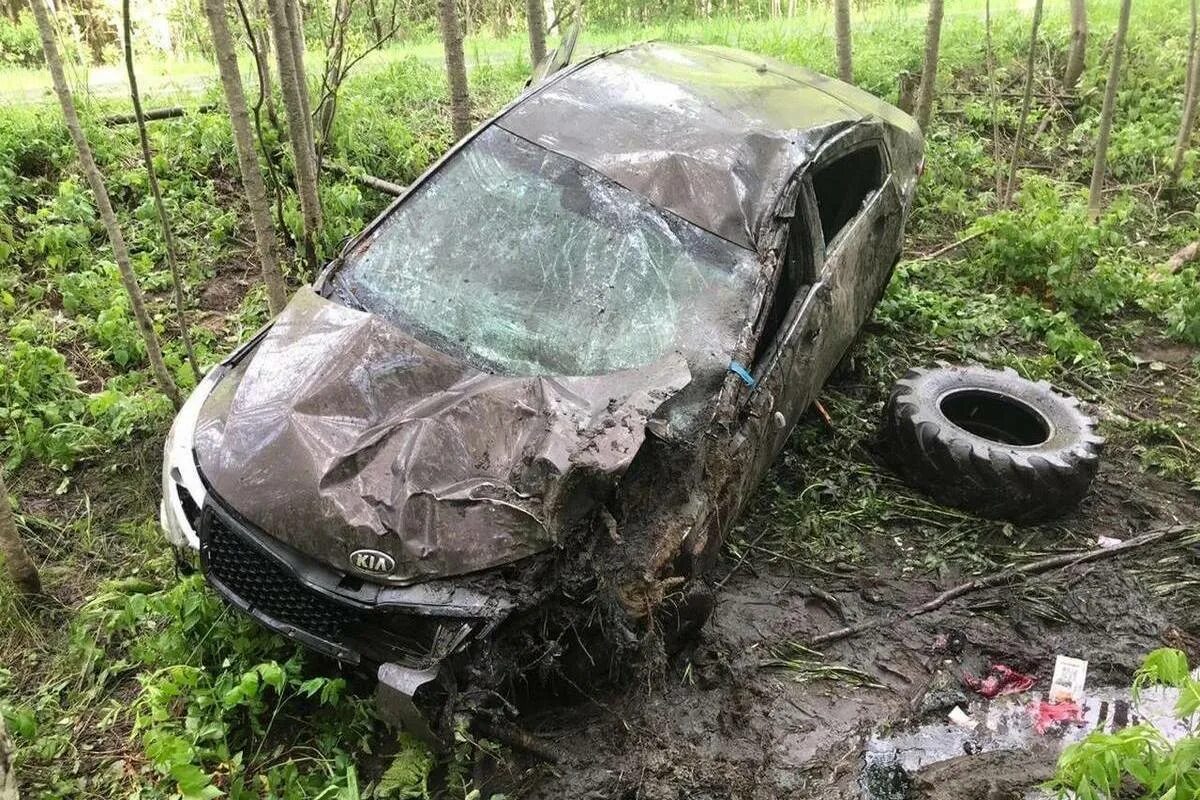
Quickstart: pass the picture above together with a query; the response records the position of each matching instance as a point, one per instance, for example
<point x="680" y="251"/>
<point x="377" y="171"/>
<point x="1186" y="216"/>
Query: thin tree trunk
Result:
<point x="1095" y="200"/>
<point x="243" y="140"/>
<point x="1078" y="51"/>
<point x="260" y="36"/>
<point x="933" y="40"/>
<point x="293" y="84"/>
<point x="456" y="69"/>
<point x="841" y="24"/>
<point x="335" y="59"/>
<point x="152" y="176"/>
<point x="16" y="558"/>
<point x="1025" y="103"/>
<point x="991" y="69"/>
<point x="8" y="776"/>
<point x="1191" y="100"/>
<point x="537" y="31"/>
<point x="260" y="48"/>
<point x="296" y="25"/>
<point x="1189" y="84"/>
<point x="374" y="14"/>
<point x="96" y="181"/>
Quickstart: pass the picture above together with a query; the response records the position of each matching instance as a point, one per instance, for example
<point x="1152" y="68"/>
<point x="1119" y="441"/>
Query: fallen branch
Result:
<point x="828" y="420"/>
<point x="1012" y="575"/>
<point x="378" y="184"/>
<point x="1185" y="255"/>
<point x="520" y="739"/>
<point x="941" y="251"/>
<point x="159" y="113"/>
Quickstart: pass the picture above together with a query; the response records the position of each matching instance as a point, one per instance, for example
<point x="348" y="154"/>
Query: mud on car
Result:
<point x="503" y="434"/>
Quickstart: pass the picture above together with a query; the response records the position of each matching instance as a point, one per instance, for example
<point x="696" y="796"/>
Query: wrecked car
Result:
<point x="503" y="434"/>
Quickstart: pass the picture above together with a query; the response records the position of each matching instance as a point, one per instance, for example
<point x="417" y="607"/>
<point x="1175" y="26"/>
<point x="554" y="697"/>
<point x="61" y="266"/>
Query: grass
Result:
<point x="132" y="683"/>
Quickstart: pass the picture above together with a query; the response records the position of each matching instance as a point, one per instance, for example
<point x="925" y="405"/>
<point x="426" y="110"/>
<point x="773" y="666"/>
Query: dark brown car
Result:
<point x="505" y="432"/>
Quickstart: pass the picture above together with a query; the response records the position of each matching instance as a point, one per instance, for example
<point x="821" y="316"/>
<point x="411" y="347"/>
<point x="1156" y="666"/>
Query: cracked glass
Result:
<point x="524" y="262"/>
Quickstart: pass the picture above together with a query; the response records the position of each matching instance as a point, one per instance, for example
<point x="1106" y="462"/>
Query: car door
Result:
<point x="841" y="242"/>
<point x="795" y="315"/>
<point x="861" y="227"/>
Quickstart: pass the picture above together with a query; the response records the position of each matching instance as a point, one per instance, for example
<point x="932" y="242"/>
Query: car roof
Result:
<point x="708" y="133"/>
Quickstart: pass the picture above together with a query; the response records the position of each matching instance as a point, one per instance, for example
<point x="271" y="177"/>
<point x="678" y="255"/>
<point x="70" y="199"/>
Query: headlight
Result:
<point x="183" y="492"/>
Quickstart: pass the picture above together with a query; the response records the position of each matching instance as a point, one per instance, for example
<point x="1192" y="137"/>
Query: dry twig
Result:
<point x="1004" y="577"/>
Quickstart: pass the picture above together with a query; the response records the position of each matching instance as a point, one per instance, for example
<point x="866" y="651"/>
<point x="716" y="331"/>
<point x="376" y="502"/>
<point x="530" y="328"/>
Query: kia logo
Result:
<point x="372" y="562"/>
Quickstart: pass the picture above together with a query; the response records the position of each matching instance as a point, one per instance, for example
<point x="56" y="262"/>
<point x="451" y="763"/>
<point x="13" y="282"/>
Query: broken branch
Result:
<point x="952" y="246"/>
<point x="158" y="113"/>
<point x="378" y="184"/>
<point x="1183" y="256"/>
<point x="520" y="739"/>
<point x="1011" y="575"/>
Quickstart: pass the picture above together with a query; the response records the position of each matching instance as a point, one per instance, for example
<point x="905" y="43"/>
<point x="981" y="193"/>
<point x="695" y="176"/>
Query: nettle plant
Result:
<point x="1138" y="761"/>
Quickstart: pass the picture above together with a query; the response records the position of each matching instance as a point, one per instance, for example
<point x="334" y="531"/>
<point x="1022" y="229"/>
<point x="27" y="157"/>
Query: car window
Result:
<point x="795" y="279"/>
<point x="844" y="185"/>
<point x="525" y="262"/>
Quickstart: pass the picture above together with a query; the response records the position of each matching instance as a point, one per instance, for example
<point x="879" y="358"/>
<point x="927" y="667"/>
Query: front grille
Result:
<point x="261" y="582"/>
<point x="252" y="571"/>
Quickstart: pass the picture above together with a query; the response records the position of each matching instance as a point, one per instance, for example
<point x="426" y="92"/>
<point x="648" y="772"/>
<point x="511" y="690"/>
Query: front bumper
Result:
<point x="406" y="636"/>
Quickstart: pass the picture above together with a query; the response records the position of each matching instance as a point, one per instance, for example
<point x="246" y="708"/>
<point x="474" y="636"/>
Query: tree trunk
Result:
<point x="1191" y="99"/>
<point x="456" y="69"/>
<point x="299" y="122"/>
<point x="375" y="24"/>
<point x="259" y="34"/>
<point x="8" y="777"/>
<point x="296" y="25"/>
<point x="991" y="70"/>
<point x="335" y="59"/>
<point x="20" y="566"/>
<point x="1188" y="86"/>
<point x="537" y="31"/>
<point x="933" y="40"/>
<point x="841" y="25"/>
<point x="1030" y="63"/>
<point x="1095" y="199"/>
<point x="96" y="181"/>
<point x="156" y="192"/>
<point x="243" y="140"/>
<point x="1079" y="35"/>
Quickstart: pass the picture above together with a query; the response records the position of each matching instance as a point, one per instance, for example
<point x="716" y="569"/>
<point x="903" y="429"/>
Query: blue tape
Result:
<point x="743" y="373"/>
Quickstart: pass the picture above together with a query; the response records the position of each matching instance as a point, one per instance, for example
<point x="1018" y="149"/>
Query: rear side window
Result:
<point x="843" y="187"/>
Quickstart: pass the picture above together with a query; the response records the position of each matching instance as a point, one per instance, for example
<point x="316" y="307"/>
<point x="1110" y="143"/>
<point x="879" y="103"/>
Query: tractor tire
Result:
<point x="990" y="442"/>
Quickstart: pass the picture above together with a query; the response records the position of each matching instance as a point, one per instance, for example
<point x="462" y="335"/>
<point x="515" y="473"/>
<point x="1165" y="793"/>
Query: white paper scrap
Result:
<point x="1070" y="674"/>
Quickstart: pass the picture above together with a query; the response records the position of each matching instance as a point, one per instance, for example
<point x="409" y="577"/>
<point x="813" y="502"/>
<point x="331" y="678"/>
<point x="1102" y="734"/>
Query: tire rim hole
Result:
<point x="995" y="416"/>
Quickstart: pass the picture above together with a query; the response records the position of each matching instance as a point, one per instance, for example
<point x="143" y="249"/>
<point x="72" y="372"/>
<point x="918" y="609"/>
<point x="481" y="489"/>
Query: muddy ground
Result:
<point x="726" y="721"/>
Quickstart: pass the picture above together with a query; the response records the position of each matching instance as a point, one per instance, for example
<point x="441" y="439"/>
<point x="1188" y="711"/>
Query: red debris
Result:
<point x="1046" y="714"/>
<point x="1000" y="680"/>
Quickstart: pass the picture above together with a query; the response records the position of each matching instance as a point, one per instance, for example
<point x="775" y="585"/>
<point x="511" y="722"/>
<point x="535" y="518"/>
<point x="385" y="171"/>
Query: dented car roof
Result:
<point x="708" y="133"/>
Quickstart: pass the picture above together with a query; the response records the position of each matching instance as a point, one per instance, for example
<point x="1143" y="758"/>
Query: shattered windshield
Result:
<point x="525" y="262"/>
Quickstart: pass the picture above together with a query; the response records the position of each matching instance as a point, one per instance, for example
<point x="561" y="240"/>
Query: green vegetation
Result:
<point x="1138" y="761"/>
<point x="133" y="683"/>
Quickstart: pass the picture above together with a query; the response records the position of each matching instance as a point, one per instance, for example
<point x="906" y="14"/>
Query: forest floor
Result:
<point x="134" y="683"/>
<point x="748" y="714"/>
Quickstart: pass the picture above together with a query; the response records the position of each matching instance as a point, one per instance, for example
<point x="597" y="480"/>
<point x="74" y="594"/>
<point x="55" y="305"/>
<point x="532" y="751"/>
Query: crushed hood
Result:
<point x="341" y="432"/>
